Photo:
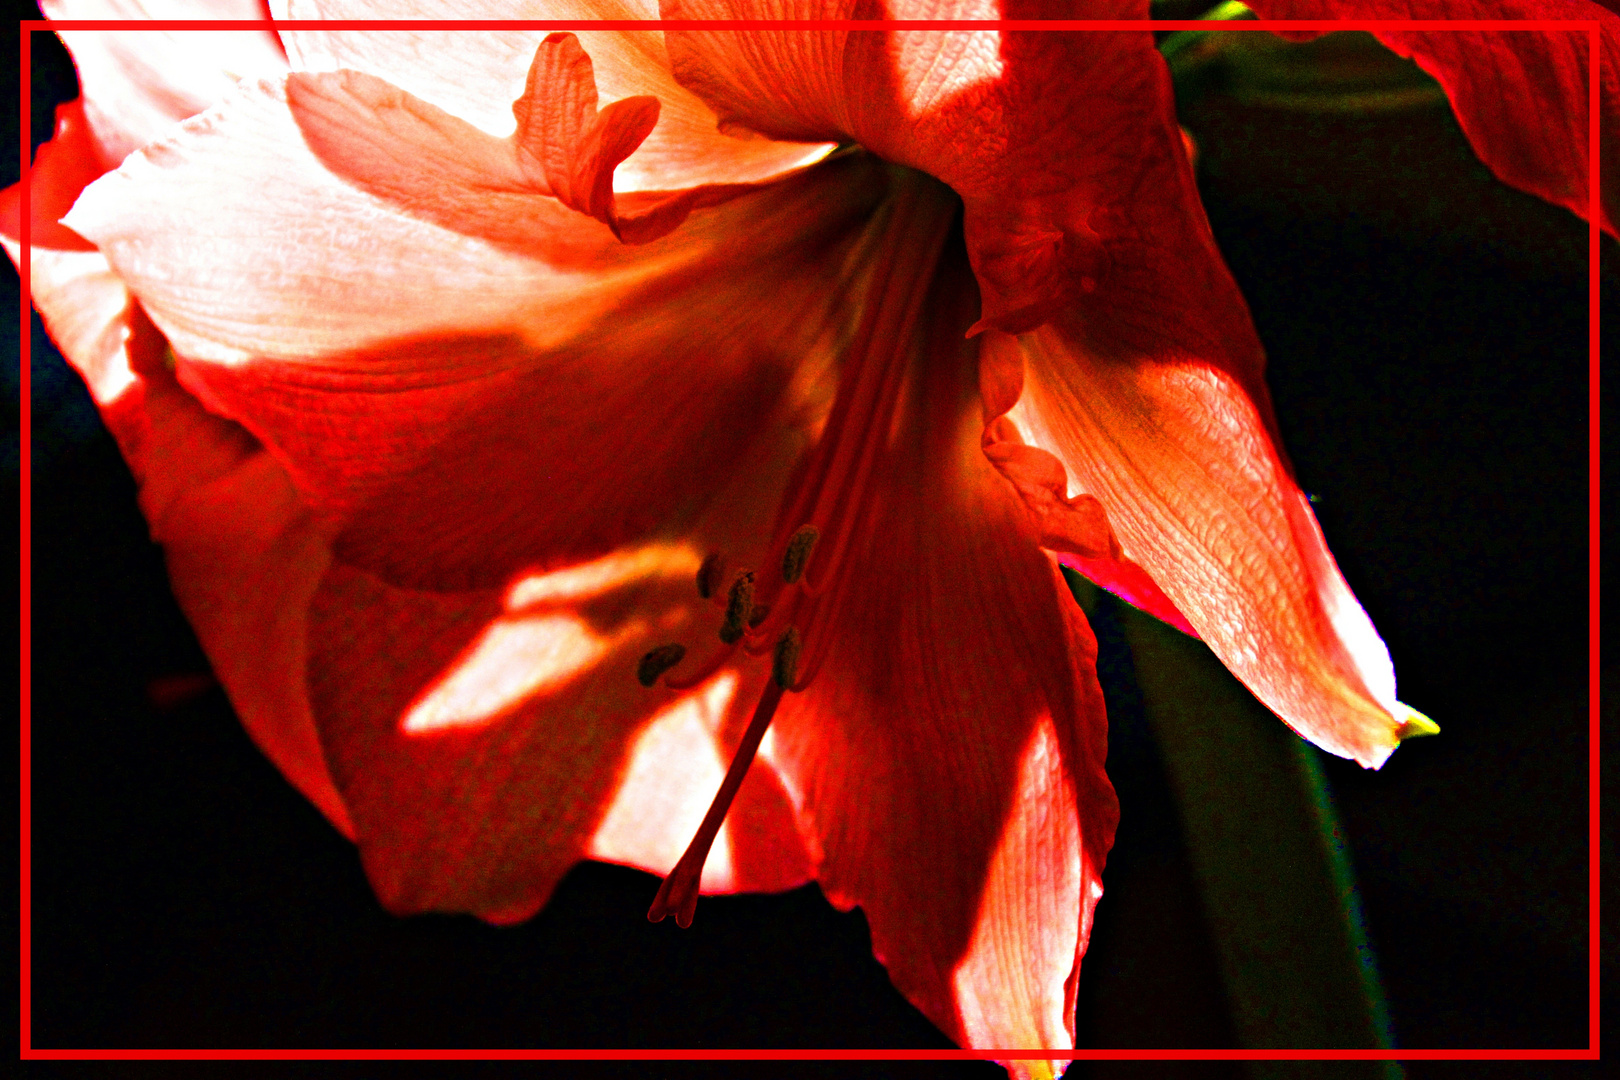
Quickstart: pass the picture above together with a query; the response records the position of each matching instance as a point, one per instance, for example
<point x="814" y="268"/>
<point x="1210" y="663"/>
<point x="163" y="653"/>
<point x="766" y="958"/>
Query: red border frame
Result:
<point x="29" y="27"/>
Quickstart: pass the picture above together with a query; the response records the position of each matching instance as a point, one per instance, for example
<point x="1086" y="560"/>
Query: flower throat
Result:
<point x="790" y="606"/>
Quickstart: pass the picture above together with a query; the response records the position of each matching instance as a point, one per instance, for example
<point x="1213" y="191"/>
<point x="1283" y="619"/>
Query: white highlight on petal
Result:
<point x="513" y="659"/>
<point x="935" y="66"/>
<point x="1022" y="946"/>
<point x="598" y="576"/>
<point x="668" y="786"/>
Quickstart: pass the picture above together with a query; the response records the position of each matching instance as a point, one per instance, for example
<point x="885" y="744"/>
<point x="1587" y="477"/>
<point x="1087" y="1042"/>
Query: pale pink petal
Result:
<point x="477" y="76"/>
<point x="247" y="561"/>
<point x="213" y="229"/>
<point x="136" y="83"/>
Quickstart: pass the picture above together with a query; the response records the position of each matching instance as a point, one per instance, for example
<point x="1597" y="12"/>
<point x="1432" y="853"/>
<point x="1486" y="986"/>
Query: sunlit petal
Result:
<point x="138" y="83"/>
<point x="477" y="76"/>
<point x="1198" y="496"/>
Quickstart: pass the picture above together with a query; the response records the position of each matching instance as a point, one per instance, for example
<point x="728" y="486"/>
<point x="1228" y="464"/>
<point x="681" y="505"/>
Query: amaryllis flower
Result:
<point x="549" y="431"/>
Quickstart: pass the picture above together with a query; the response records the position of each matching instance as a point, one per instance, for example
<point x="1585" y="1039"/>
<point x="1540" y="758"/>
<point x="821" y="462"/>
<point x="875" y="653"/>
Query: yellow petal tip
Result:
<point x="1414" y="725"/>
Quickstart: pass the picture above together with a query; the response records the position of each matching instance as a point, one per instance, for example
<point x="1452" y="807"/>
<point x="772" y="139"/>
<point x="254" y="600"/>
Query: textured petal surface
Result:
<point x="947" y="762"/>
<point x="404" y="371"/>
<point x="1195" y="491"/>
<point x="137" y="83"/>
<point x="477" y="76"/>
<point x="1520" y="96"/>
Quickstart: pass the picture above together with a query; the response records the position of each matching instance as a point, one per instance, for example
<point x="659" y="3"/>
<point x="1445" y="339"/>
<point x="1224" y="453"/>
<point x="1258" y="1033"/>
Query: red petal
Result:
<point x="1520" y="96"/>
<point x="137" y="83"/>
<point x="574" y="148"/>
<point x="559" y="130"/>
<point x="947" y="761"/>
<point x="62" y="169"/>
<point x="1181" y="459"/>
<point x="1073" y="525"/>
<point x="1049" y="138"/>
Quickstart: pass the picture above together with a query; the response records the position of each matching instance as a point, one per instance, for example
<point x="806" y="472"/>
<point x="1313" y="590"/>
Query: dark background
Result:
<point x="1427" y="330"/>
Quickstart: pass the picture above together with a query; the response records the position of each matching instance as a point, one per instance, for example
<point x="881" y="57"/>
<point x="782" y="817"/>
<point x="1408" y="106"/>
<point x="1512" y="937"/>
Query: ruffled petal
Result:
<point x="476" y="76"/>
<point x="406" y="373"/>
<point x="137" y="83"/>
<point x="947" y="762"/>
<point x="1179" y="455"/>
<point x="1072" y="525"/>
<point x="1521" y="97"/>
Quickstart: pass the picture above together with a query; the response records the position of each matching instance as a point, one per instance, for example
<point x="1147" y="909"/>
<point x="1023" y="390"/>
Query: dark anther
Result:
<point x="761" y="611"/>
<point x="739" y="606"/>
<point x="657" y="662"/>
<point x="797" y="557"/>
<point x="785" y="661"/>
<point x="708" y="576"/>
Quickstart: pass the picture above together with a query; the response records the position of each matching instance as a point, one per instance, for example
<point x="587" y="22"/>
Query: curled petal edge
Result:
<point x="1073" y="527"/>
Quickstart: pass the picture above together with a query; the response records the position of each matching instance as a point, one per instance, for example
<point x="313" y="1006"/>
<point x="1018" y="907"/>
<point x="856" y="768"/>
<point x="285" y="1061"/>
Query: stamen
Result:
<point x="679" y="893"/>
<point x="739" y="606"/>
<point x="785" y="664"/>
<point x="708" y="575"/>
<point x="792" y="611"/>
<point x="799" y="549"/>
<point x="659" y="661"/>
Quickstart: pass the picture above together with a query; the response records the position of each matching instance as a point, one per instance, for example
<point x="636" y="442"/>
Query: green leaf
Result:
<point x="1268" y="855"/>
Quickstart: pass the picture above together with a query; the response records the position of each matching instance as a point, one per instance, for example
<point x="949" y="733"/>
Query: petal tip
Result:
<point x="1414" y="725"/>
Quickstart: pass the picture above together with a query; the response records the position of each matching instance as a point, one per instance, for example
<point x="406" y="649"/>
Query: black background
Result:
<point x="1427" y="330"/>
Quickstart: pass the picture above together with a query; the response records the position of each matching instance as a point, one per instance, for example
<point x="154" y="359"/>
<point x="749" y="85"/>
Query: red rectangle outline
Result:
<point x="29" y="27"/>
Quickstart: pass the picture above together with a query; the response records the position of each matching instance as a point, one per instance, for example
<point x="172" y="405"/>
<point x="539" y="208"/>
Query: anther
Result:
<point x="761" y="612"/>
<point x="785" y="662"/>
<point x="799" y="549"/>
<point x="739" y="606"/>
<point x="708" y="575"/>
<point x="657" y="662"/>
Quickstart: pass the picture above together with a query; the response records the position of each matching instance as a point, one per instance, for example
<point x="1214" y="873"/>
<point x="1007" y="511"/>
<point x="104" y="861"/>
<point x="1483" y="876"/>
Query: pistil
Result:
<point x="678" y="894"/>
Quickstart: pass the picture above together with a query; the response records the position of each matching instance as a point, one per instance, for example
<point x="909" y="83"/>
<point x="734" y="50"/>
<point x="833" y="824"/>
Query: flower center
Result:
<point x="790" y="606"/>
